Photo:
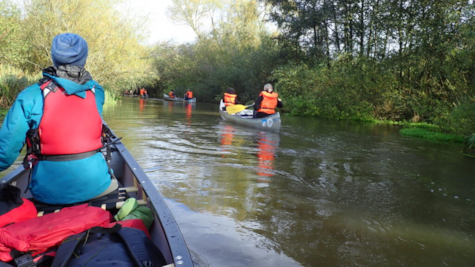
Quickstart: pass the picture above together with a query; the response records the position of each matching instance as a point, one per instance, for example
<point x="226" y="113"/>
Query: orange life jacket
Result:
<point x="142" y="91"/>
<point x="189" y="94"/>
<point x="171" y="94"/>
<point x="269" y="102"/>
<point x="229" y="99"/>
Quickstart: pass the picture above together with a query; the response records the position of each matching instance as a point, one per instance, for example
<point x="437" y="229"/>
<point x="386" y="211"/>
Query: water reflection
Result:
<point x="189" y="109"/>
<point x="267" y="144"/>
<point x="226" y="138"/>
<point x="141" y="105"/>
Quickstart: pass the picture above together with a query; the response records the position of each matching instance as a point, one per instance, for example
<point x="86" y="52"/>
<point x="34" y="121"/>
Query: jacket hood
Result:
<point x="74" y="79"/>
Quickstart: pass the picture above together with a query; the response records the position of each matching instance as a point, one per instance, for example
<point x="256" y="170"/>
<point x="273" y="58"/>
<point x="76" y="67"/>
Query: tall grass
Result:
<point x="12" y="81"/>
<point x="431" y="133"/>
<point x="471" y="141"/>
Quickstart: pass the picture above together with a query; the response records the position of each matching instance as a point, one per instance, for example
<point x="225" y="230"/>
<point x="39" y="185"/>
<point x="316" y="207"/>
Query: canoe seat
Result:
<point x="111" y="202"/>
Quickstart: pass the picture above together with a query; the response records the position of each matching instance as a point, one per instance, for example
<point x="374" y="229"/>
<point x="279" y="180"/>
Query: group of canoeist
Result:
<point x="142" y="93"/>
<point x="264" y="105"/>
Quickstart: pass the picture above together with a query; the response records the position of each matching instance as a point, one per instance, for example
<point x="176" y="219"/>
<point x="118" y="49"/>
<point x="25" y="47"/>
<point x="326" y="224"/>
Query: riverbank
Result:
<point x="431" y="133"/>
<point x="428" y="132"/>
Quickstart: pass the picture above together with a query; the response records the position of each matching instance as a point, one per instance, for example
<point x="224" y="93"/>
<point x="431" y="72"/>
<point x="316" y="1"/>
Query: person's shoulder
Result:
<point x="97" y="85"/>
<point x="29" y="91"/>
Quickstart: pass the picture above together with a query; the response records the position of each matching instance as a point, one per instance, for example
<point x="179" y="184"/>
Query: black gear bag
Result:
<point x="117" y="246"/>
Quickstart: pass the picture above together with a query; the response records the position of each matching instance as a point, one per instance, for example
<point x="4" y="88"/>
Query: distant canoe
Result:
<point x="178" y="99"/>
<point x="175" y="99"/>
<point x="245" y="118"/>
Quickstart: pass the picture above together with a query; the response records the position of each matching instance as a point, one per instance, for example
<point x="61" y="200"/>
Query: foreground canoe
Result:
<point x="134" y="183"/>
<point x="245" y="118"/>
<point x="177" y="99"/>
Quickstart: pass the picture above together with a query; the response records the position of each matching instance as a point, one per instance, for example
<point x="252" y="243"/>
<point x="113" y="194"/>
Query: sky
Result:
<point x="159" y="25"/>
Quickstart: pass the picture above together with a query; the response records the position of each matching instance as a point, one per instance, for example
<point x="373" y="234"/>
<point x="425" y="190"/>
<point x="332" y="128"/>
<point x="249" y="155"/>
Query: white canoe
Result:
<point x="177" y="99"/>
<point x="245" y="118"/>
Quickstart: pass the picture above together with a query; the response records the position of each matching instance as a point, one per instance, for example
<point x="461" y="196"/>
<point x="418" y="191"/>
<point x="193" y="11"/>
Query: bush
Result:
<point x="12" y="81"/>
<point x="461" y="120"/>
<point x="471" y="141"/>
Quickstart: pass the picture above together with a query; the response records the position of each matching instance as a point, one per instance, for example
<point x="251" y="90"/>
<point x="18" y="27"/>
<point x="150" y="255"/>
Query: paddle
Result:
<point x="236" y="108"/>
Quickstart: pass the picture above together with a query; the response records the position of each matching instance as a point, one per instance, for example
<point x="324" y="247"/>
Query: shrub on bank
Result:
<point x="12" y="81"/>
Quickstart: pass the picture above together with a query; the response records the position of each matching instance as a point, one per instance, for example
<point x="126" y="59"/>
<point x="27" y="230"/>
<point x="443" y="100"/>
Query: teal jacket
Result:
<point x="53" y="182"/>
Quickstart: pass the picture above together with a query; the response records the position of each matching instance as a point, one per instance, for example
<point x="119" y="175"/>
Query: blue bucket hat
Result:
<point x="69" y="49"/>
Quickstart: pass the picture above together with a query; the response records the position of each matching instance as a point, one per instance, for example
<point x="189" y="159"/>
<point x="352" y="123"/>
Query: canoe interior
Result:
<point x="130" y="175"/>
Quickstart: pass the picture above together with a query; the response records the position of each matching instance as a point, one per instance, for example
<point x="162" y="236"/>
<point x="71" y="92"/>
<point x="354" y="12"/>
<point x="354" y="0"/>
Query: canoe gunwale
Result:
<point x="164" y="228"/>
<point x="175" y="238"/>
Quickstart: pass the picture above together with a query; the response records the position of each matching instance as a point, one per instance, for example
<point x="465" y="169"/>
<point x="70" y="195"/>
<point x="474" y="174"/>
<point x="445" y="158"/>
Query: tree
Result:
<point x="12" y="47"/>
<point x="115" y="55"/>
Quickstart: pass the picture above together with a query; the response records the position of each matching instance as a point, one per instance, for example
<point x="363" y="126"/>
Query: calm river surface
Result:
<point x="319" y="193"/>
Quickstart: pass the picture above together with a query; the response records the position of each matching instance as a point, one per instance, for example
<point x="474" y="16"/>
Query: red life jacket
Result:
<point x="269" y="102"/>
<point x="70" y="124"/>
<point x="229" y="99"/>
<point x="189" y="94"/>
<point x="171" y="94"/>
<point x="43" y="233"/>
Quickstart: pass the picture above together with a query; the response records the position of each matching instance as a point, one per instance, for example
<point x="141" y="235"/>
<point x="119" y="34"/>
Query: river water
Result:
<point x="319" y="193"/>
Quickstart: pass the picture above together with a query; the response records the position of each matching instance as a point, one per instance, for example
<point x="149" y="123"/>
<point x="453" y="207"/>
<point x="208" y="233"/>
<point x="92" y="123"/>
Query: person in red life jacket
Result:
<point x="266" y="102"/>
<point x="230" y="98"/>
<point x="142" y="92"/>
<point x="60" y="119"/>
<point x="171" y="94"/>
<point x="188" y="94"/>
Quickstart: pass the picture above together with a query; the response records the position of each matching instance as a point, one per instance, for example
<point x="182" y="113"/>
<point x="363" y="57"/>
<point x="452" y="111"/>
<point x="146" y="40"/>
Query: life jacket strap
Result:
<point x="68" y="157"/>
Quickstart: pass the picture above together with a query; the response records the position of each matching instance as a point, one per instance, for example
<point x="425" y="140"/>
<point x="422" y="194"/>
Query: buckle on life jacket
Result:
<point x="33" y="141"/>
<point x="25" y="260"/>
<point x="29" y="161"/>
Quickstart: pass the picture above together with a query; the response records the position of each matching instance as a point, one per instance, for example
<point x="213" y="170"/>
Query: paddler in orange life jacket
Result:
<point x="143" y="93"/>
<point x="230" y="98"/>
<point x="266" y="102"/>
<point x="60" y="119"/>
<point x="188" y="94"/>
<point x="171" y="94"/>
